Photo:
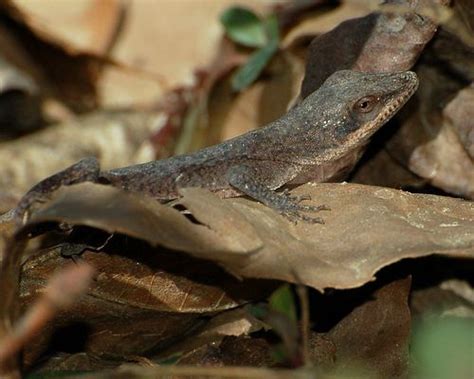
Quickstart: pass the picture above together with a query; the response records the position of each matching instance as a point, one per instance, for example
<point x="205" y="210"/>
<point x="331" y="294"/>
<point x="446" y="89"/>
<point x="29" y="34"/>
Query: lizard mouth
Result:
<point x="394" y="105"/>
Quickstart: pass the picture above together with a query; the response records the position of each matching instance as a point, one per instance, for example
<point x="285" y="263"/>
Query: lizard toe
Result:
<point x="295" y="198"/>
<point x="313" y="208"/>
<point x="296" y="216"/>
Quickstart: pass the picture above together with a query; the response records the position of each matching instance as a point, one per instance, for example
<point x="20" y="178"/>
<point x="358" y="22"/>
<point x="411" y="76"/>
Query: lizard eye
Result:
<point x="365" y="104"/>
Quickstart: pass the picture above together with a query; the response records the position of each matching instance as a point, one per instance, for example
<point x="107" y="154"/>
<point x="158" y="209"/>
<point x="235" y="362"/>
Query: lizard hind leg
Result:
<point x="245" y="179"/>
<point x="86" y="170"/>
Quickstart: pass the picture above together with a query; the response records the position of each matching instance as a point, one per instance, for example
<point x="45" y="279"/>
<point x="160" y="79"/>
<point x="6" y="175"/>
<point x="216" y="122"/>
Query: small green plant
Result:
<point x="283" y="301"/>
<point x="245" y="28"/>
<point x="443" y="348"/>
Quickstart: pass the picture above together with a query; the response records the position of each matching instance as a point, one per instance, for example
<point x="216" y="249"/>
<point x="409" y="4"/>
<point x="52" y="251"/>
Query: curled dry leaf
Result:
<point x="378" y="42"/>
<point x="367" y="229"/>
<point x="141" y="217"/>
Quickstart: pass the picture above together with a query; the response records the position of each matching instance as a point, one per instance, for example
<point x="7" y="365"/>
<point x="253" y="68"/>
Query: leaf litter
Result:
<point x="174" y="283"/>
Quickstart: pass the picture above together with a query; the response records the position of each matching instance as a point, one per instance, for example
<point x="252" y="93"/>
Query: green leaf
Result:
<point x="271" y="28"/>
<point x="244" y="27"/>
<point x="442" y="348"/>
<point x="251" y="70"/>
<point x="283" y="301"/>
<point x="258" y="311"/>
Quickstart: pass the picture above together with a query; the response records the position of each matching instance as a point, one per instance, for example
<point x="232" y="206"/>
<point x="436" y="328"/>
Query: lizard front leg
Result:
<point x="245" y="179"/>
<point x="86" y="170"/>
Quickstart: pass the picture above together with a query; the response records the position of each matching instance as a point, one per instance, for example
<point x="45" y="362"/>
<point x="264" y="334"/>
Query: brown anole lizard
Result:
<point x="314" y="141"/>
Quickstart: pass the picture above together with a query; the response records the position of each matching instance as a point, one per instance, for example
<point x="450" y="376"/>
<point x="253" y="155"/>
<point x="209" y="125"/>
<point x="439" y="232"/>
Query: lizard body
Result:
<point x="314" y="141"/>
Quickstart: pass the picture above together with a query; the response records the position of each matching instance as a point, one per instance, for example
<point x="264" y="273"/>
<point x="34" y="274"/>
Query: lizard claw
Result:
<point x="292" y="209"/>
<point x="297" y="216"/>
<point x="295" y="198"/>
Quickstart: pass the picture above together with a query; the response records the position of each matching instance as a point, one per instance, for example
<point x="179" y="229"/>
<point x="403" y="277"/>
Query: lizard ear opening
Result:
<point x="365" y="104"/>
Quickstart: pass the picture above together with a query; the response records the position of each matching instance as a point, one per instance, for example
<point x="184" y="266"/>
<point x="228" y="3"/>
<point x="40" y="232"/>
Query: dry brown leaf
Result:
<point x="367" y="229"/>
<point x="117" y="138"/>
<point x="460" y="115"/>
<point x="137" y="303"/>
<point x="445" y="163"/>
<point x="432" y="141"/>
<point x="375" y="335"/>
<point x="142" y="283"/>
<point x="116" y="211"/>
<point x="378" y="42"/>
<point x="81" y="26"/>
<point x="54" y="64"/>
<point x="163" y="40"/>
<point x="132" y="73"/>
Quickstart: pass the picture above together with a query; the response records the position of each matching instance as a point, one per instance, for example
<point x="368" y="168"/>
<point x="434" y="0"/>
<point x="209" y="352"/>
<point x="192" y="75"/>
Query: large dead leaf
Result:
<point x="177" y="49"/>
<point x="378" y="42"/>
<point x="367" y="229"/>
<point x="138" y="303"/>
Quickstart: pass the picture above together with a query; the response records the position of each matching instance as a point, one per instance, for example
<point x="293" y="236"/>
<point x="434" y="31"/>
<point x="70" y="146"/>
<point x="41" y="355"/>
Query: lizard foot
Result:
<point x="291" y="208"/>
<point x="245" y="179"/>
<point x="299" y="198"/>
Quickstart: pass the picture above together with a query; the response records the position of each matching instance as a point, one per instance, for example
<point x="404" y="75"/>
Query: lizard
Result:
<point x="322" y="136"/>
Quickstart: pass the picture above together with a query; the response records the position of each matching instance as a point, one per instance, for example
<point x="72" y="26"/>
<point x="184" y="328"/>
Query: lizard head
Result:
<point x="356" y="104"/>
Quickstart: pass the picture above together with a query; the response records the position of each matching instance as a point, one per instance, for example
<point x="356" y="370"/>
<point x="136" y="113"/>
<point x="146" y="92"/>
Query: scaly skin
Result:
<point x="315" y="141"/>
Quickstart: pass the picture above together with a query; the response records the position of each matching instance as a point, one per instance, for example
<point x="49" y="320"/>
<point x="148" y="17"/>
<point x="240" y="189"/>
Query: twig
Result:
<point x="62" y="291"/>
<point x="168" y="371"/>
<point x="302" y="292"/>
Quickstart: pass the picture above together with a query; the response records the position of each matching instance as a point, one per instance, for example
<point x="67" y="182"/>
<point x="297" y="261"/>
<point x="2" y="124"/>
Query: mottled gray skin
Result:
<point x="313" y="141"/>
